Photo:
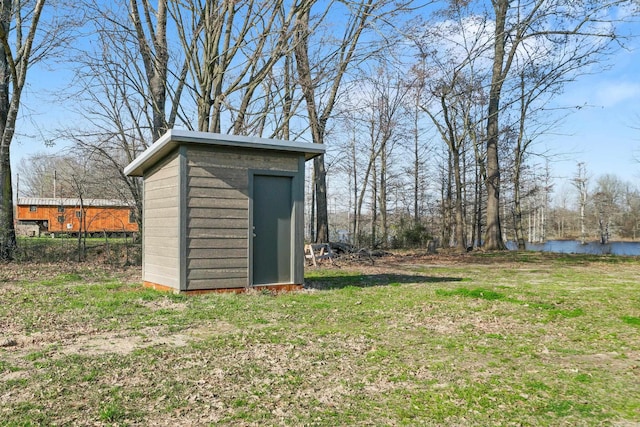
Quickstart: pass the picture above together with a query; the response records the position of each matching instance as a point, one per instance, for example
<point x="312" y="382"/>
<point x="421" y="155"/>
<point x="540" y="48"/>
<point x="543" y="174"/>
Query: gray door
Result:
<point x="272" y="206"/>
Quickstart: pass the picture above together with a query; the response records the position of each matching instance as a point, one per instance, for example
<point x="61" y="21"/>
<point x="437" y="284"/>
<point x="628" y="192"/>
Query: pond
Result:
<point x="575" y="247"/>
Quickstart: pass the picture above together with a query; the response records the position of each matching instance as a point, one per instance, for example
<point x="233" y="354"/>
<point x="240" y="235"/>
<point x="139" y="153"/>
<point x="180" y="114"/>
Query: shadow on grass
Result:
<point x="339" y="281"/>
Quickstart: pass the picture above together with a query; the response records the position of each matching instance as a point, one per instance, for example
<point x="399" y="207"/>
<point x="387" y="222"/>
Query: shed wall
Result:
<point x="218" y="212"/>
<point x="161" y="230"/>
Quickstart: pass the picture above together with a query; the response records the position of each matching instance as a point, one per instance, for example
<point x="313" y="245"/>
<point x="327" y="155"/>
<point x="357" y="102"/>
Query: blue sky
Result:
<point x="601" y="133"/>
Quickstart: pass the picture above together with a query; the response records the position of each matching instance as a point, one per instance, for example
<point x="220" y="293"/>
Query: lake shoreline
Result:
<point x="626" y="248"/>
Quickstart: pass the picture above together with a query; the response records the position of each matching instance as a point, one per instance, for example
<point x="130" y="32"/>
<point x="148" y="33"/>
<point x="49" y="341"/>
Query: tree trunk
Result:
<point x="493" y="232"/>
<point x="13" y="74"/>
<point x="355" y="239"/>
<point x="416" y="159"/>
<point x="446" y="196"/>
<point x="416" y="178"/>
<point x="155" y="60"/>
<point x="8" y="235"/>
<point x="480" y="178"/>
<point x="322" y="215"/>
<point x="580" y="182"/>
<point x="312" y="216"/>
<point x="493" y="236"/>
<point x="517" y="206"/>
<point x="374" y="206"/>
<point x="382" y="193"/>
<point x="459" y="214"/>
<point x="373" y="154"/>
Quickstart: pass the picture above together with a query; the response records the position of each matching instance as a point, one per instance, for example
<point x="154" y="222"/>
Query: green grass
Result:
<point x="631" y="320"/>
<point x="498" y="339"/>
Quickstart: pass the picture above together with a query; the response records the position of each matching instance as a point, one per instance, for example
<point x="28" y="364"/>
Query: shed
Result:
<point x="222" y="212"/>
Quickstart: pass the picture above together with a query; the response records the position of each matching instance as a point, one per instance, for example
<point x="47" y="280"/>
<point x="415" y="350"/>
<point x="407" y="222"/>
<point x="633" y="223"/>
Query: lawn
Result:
<point x="477" y="339"/>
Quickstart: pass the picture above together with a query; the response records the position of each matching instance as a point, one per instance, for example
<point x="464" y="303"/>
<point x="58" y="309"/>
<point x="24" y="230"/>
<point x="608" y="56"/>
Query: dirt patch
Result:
<point x="54" y="345"/>
<point x="95" y="342"/>
<point x="625" y="361"/>
<point x="164" y="304"/>
<point x="107" y="343"/>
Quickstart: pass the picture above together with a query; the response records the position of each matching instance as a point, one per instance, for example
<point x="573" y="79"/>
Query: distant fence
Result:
<point x="119" y="251"/>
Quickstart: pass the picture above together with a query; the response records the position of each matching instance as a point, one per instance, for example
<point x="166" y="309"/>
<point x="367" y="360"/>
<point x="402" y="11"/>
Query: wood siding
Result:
<point x="217" y="212"/>
<point x="161" y="234"/>
<point x="65" y="219"/>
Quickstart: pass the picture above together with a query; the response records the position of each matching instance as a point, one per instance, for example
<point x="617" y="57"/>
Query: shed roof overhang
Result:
<point x="175" y="137"/>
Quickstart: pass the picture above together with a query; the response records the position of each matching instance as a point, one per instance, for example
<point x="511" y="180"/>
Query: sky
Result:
<point x="604" y="133"/>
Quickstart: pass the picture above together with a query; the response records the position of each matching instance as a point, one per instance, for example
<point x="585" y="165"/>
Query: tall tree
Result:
<point x="418" y="147"/>
<point x="493" y="233"/>
<point x="522" y="27"/>
<point x="630" y="215"/>
<point x="453" y="51"/>
<point x="581" y="183"/>
<point x="231" y="48"/>
<point x="123" y="80"/>
<point x="322" y="68"/>
<point x="152" y="45"/>
<point x="19" y="23"/>
<point x="607" y="203"/>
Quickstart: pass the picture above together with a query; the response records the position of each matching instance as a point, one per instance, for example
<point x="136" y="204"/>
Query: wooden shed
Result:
<point x="222" y="211"/>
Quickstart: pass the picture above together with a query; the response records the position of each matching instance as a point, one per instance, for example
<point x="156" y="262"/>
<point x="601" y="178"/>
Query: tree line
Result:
<point x="369" y="78"/>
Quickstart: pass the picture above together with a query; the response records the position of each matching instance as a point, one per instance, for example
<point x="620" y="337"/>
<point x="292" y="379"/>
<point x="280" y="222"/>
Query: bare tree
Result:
<point x="416" y="169"/>
<point x="152" y="45"/>
<point x="389" y="105"/>
<point x="231" y="48"/>
<point x="24" y="41"/>
<point x="134" y="88"/>
<point x="362" y="168"/>
<point x="529" y="25"/>
<point x="607" y="200"/>
<point x="129" y="90"/>
<point x="629" y="223"/>
<point x="580" y="182"/>
<point x="49" y="176"/>
<point x="455" y="123"/>
<point x="322" y="68"/>
<point x="374" y="118"/>
<point x="39" y="174"/>
<point x="450" y="56"/>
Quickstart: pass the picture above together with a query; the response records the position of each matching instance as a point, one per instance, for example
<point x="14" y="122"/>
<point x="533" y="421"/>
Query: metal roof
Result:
<point x="62" y="201"/>
<point x="174" y="137"/>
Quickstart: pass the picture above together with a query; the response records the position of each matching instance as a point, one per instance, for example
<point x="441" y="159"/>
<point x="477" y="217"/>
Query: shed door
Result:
<point x="272" y="207"/>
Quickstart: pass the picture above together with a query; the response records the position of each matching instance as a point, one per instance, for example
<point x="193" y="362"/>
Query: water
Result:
<point x="575" y="247"/>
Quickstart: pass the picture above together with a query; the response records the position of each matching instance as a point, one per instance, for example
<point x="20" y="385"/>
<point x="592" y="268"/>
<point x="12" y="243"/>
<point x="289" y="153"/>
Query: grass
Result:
<point x="497" y="339"/>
